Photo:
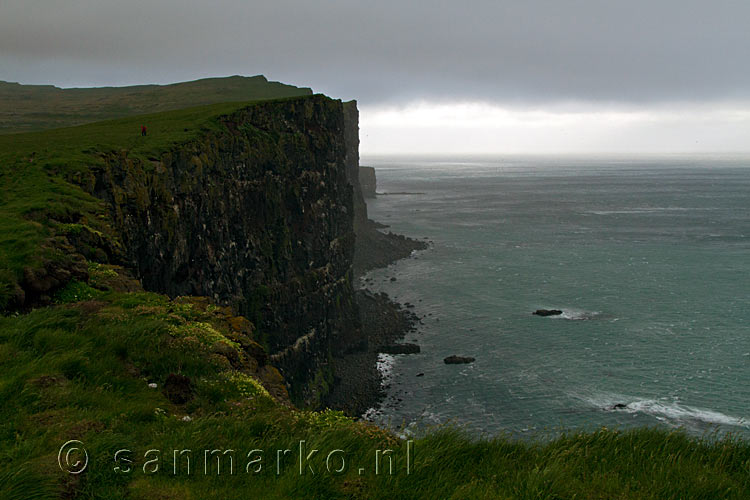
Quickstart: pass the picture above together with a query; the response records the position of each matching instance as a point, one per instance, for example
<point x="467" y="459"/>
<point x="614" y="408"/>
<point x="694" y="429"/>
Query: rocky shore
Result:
<point x="357" y="384"/>
<point x="374" y="248"/>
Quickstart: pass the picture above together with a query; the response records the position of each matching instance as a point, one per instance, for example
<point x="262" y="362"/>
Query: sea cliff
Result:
<point x="260" y="212"/>
<point x="258" y="216"/>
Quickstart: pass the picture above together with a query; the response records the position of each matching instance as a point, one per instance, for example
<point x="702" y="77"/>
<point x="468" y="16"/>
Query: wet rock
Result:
<point x="400" y="349"/>
<point x="547" y="312"/>
<point x="458" y="360"/>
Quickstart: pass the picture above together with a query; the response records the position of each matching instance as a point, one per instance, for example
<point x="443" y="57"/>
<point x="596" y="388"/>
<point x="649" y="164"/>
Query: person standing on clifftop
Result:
<point x="143" y="130"/>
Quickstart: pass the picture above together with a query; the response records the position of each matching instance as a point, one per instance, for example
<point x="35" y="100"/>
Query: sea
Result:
<point x="648" y="258"/>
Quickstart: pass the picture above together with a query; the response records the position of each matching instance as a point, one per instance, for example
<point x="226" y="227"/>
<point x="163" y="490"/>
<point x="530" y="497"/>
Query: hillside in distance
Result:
<point x="27" y="108"/>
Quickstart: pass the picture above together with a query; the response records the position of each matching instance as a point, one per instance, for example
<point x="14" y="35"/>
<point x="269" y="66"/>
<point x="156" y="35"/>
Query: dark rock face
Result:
<point x="258" y="215"/>
<point x="351" y="159"/>
<point x="547" y="312"/>
<point x="458" y="360"/>
<point x="367" y="181"/>
<point x="400" y="349"/>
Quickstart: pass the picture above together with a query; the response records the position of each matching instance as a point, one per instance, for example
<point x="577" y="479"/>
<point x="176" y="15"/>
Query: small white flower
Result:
<point x="187" y="418"/>
<point x="152" y="385"/>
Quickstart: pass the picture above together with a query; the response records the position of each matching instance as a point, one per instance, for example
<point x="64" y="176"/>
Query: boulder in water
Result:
<point x="458" y="360"/>
<point x="547" y="312"/>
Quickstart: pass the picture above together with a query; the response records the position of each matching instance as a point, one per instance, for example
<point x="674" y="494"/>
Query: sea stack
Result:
<point x="367" y="181"/>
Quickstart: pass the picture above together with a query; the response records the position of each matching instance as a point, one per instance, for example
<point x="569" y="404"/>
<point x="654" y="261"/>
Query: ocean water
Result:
<point x="648" y="258"/>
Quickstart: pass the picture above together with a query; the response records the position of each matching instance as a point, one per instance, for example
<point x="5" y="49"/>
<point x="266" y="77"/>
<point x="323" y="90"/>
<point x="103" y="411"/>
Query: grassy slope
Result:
<point x="81" y="371"/>
<point x="26" y="108"/>
<point x="33" y="167"/>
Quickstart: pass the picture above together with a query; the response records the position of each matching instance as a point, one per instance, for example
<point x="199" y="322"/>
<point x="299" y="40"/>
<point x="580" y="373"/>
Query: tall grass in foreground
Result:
<point x="81" y="371"/>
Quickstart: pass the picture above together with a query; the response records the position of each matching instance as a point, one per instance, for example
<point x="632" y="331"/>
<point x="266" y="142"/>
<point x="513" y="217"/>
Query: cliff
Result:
<point x="257" y="216"/>
<point x="255" y="206"/>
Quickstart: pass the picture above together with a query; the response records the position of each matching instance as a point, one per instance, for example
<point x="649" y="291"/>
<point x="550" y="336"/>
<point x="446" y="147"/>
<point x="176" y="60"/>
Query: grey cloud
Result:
<point x="391" y="51"/>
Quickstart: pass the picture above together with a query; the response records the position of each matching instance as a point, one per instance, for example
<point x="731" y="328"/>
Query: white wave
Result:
<point x="575" y="314"/>
<point x="371" y="414"/>
<point x="646" y="210"/>
<point x="665" y="410"/>
<point x="385" y="367"/>
<point x="678" y="412"/>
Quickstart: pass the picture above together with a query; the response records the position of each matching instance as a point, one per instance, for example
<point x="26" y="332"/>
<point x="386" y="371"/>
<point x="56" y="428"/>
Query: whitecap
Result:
<point x="646" y="210"/>
<point x="671" y="412"/>
<point x="576" y="315"/>
<point x="385" y="367"/>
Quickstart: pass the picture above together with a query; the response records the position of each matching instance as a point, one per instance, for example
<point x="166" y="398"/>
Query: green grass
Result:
<point x="81" y="371"/>
<point x="25" y="108"/>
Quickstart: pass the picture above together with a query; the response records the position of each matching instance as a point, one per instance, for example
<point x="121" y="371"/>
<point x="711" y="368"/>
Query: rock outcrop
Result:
<point x="547" y="312"/>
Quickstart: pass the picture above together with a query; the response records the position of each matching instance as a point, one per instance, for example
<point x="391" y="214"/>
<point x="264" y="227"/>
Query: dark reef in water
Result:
<point x="458" y="360"/>
<point x="358" y="382"/>
<point x="547" y="312"/>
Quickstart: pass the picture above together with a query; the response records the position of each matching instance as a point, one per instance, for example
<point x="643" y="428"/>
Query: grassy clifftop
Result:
<point x="37" y="198"/>
<point x="26" y="108"/>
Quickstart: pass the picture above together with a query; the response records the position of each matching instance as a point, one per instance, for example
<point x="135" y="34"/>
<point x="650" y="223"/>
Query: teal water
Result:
<point x="648" y="259"/>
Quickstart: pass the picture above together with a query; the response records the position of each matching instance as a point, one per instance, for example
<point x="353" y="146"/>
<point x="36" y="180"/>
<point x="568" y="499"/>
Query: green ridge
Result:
<point x="34" y="168"/>
<point x="26" y="108"/>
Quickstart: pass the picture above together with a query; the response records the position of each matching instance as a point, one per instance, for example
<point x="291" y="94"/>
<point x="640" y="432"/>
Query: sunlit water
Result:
<point x="648" y="259"/>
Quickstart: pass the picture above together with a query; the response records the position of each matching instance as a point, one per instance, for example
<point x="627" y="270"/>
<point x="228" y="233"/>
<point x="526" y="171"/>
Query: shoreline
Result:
<point x="358" y="383"/>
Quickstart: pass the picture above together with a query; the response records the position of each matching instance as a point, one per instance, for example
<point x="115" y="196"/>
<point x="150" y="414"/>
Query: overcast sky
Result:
<point x="469" y="76"/>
